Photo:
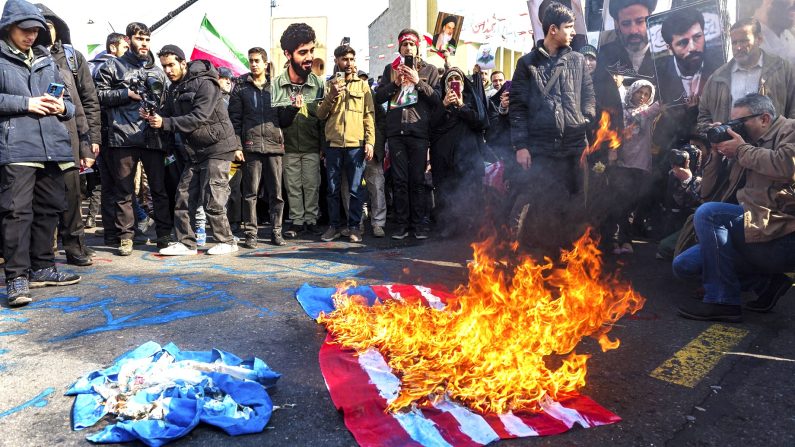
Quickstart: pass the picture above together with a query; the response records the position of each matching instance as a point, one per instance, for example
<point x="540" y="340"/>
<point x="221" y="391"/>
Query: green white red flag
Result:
<point x="214" y="47"/>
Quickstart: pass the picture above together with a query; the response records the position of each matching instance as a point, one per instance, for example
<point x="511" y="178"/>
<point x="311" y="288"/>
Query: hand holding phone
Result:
<point x="55" y="89"/>
<point x="455" y="85"/>
<point x="408" y="61"/>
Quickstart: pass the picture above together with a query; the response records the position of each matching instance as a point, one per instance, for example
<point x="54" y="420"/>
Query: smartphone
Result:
<point x="455" y="85"/>
<point x="507" y="86"/>
<point x="340" y="76"/>
<point x="408" y="61"/>
<point x="55" y="89"/>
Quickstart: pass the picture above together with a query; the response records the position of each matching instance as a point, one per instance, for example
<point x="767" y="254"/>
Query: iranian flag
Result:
<point x="212" y="46"/>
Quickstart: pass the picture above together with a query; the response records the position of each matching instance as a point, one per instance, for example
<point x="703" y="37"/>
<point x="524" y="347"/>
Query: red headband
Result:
<point x="409" y="36"/>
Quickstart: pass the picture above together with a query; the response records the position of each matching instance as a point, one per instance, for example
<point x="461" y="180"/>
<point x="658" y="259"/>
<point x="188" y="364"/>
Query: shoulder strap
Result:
<point x="552" y="80"/>
<point x="71" y="58"/>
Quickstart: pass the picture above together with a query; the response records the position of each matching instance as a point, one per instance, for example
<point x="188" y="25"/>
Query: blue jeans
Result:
<point x="351" y="161"/>
<point x="727" y="264"/>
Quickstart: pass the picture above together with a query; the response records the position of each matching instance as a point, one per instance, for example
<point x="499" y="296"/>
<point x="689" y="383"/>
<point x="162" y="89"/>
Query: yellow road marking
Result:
<point x="690" y="364"/>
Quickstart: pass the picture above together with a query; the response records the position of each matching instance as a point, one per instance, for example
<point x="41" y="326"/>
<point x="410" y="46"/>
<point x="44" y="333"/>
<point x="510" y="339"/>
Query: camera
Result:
<point x="688" y="156"/>
<point x="150" y="90"/>
<point x="719" y="134"/>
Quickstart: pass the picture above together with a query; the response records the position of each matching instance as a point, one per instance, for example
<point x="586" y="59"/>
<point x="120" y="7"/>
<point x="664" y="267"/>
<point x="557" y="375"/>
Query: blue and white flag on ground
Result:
<point x="158" y="394"/>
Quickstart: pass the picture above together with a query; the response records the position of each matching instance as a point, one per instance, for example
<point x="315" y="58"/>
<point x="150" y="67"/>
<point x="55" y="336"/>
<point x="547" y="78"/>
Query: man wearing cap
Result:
<point x="194" y="109"/>
<point x="412" y="98"/>
<point x="36" y="150"/>
<point x="628" y="55"/>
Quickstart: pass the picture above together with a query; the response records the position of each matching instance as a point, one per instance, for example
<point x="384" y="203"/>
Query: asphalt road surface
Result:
<point x="673" y="381"/>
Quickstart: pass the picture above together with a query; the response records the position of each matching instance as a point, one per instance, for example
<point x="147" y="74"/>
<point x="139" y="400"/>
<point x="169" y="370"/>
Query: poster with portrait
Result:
<point x="777" y="18"/>
<point x="687" y="46"/>
<point x="446" y="33"/>
<point x="487" y="55"/>
<point x="610" y="16"/>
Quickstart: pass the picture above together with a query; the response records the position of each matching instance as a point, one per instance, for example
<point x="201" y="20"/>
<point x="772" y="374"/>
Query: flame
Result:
<point x="505" y="342"/>
<point x="603" y="135"/>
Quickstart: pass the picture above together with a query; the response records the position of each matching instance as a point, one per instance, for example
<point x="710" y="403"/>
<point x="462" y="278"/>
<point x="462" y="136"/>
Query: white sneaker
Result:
<point x="177" y="249"/>
<point x="222" y="249"/>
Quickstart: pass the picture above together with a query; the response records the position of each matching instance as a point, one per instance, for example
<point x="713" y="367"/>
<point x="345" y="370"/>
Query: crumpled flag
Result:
<point x="159" y="394"/>
<point x="362" y="384"/>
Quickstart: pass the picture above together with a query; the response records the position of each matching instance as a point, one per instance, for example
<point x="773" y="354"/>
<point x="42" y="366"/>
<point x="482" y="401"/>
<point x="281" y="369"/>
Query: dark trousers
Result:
<point x="203" y="184"/>
<point x="30" y="200"/>
<point x="70" y="222"/>
<point x="94" y="192"/>
<point x="234" y="207"/>
<point x="108" y="197"/>
<point x="268" y="168"/>
<point x="124" y="161"/>
<point x="348" y="162"/>
<point x="409" y="156"/>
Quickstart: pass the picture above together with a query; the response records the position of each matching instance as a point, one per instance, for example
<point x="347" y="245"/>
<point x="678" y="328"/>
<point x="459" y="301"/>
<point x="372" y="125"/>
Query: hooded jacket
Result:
<point x="195" y="108"/>
<point x="554" y="124"/>
<point x="258" y="125"/>
<point x="126" y="128"/>
<point x="413" y="120"/>
<point x="24" y="136"/>
<point x="85" y="94"/>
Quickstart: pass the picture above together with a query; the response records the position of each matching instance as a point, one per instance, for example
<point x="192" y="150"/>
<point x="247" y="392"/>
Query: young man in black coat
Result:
<point x="195" y="110"/>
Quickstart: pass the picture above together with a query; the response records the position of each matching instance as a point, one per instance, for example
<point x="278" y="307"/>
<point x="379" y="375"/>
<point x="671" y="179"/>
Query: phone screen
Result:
<point x="456" y="87"/>
<point x="507" y="86"/>
<point x="408" y="61"/>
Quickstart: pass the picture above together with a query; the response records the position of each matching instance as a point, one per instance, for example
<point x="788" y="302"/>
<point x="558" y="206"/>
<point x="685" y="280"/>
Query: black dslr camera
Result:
<point x="719" y="134"/>
<point x="150" y="90"/>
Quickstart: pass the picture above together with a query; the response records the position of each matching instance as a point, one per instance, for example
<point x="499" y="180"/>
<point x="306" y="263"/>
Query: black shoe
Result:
<point x="313" y="229"/>
<point x="421" y="234"/>
<point x="779" y="285"/>
<point x="277" y="239"/>
<point x="292" y="231"/>
<point x="88" y="251"/>
<point x="80" y="260"/>
<point x="164" y="241"/>
<point x="400" y="234"/>
<point x="712" y="312"/>
<point x="91" y="222"/>
<point x="250" y="242"/>
<point x="18" y="292"/>
<point x="52" y="277"/>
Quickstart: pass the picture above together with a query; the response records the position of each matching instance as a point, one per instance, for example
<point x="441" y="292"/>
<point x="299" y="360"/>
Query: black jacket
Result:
<point x="258" y="125"/>
<point x="125" y="126"/>
<point x="413" y="120"/>
<point x="194" y="107"/>
<point x="24" y="136"/>
<point x="498" y="136"/>
<point x="554" y="124"/>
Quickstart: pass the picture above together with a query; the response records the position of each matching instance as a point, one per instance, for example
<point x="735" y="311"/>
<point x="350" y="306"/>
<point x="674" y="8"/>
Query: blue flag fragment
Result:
<point x="158" y="394"/>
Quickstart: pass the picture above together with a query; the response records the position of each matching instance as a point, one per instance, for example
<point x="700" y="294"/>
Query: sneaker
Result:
<point x="292" y="231"/>
<point x="125" y="247"/>
<point x="766" y="300"/>
<point x="52" y="277"/>
<point x="400" y="234"/>
<point x="177" y="249"/>
<point x="421" y="234"/>
<point x="330" y="234"/>
<point x="222" y="249"/>
<point x="711" y="312"/>
<point x="18" y="292"/>
<point x="164" y="241"/>
<point x="314" y="229"/>
<point x="378" y="231"/>
<point x="346" y="232"/>
<point x="201" y="236"/>
<point x="145" y="224"/>
<point x="356" y="235"/>
<point x="250" y="242"/>
<point x="91" y="222"/>
<point x="277" y="239"/>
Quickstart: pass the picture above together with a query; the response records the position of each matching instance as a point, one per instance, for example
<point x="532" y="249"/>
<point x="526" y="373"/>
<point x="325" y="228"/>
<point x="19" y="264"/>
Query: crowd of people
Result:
<point x="706" y="167"/>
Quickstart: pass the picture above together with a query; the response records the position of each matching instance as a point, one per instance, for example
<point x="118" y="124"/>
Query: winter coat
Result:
<point x="77" y="126"/>
<point x="498" y="136"/>
<point x="126" y="128"/>
<point x="195" y="109"/>
<point x="715" y="105"/>
<point x="413" y="120"/>
<point x="258" y="125"/>
<point x="349" y="117"/>
<point x="84" y="95"/>
<point x="555" y="124"/>
<point x="305" y="135"/>
<point x="25" y="136"/>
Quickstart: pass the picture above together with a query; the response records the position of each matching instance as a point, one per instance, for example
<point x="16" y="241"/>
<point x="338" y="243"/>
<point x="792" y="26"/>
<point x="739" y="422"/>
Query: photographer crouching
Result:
<point x="194" y="108"/>
<point x="748" y="241"/>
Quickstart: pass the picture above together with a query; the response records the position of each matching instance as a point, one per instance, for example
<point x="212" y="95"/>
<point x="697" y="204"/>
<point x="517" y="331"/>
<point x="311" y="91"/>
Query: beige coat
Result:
<point x="350" y="117"/>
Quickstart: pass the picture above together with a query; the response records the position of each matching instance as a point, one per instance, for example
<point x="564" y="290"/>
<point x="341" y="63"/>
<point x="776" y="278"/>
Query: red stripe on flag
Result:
<point x="449" y="427"/>
<point x="216" y="61"/>
<point x="543" y="423"/>
<point x="591" y="411"/>
<point x="358" y="399"/>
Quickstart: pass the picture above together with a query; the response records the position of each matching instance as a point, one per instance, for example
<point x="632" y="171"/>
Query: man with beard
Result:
<point x="627" y="56"/>
<point x="303" y="140"/>
<point x="752" y="70"/>
<point x="683" y="74"/>
<point x="130" y="139"/>
<point x="777" y="18"/>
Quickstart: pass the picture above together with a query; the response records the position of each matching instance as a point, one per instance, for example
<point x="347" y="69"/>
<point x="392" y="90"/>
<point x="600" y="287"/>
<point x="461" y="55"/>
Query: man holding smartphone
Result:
<point x="410" y="89"/>
<point x="36" y="151"/>
<point x="350" y="135"/>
